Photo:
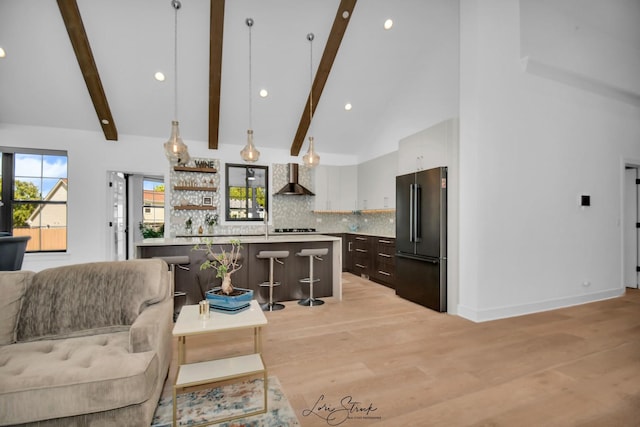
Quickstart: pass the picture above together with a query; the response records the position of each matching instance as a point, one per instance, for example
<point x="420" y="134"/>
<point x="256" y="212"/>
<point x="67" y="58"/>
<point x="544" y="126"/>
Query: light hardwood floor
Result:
<point x="410" y="366"/>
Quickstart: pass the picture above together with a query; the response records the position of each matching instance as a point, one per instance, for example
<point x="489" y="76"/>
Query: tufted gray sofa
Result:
<point x="84" y="345"/>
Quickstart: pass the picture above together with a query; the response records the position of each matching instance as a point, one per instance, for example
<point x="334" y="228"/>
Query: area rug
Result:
<point x="205" y="405"/>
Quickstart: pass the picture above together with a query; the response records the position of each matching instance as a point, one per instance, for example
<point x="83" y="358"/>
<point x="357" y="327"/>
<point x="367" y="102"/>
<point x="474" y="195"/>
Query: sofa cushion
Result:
<point x="84" y="298"/>
<point x="13" y="285"/>
<point x="59" y="378"/>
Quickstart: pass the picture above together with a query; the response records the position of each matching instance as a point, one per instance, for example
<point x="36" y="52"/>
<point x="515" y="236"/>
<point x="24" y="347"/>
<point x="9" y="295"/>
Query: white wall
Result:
<point x="529" y="146"/>
<point x="90" y="157"/>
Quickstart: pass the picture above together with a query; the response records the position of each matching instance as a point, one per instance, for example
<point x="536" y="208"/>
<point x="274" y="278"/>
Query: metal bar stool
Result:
<point x="272" y="256"/>
<point x="311" y="253"/>
<point x="179" y="297"/>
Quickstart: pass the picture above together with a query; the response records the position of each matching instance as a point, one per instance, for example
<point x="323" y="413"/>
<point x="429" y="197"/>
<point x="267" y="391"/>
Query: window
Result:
<point x="152" y="208"/>
<point x="247" y="192"/>
<point x="33" y="200"/>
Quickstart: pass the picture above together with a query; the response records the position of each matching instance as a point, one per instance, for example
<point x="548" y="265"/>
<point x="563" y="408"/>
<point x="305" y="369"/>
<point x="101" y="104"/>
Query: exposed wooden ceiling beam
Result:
<point x="216" y="27"/>
<point x="82" y="49"/>
<point x="338" y="29"/>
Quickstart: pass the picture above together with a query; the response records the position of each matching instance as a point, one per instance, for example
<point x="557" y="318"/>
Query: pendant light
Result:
<point x="249" y="152"/>
<point x="176" y="150"/>
<point x="311" y="159"/>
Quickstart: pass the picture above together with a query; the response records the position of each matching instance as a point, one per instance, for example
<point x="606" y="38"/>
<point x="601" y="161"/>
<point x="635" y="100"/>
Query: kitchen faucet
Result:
<point x="266" y="225"/>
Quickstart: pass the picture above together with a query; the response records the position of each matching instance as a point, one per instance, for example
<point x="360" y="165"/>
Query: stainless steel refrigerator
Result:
<point x="421" y="238"/>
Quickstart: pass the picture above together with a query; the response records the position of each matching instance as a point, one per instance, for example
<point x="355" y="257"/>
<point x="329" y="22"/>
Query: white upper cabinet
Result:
<point x="430" y="148"/>
<point x="336" y="188"/>
<point x="371" y="185"/>
<point x="377" y="182"/>
<point x="320" y="188"/>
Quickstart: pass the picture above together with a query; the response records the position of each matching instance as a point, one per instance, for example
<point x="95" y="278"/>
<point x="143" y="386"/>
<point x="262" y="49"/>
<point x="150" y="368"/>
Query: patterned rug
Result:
<point x="205" y="405"/>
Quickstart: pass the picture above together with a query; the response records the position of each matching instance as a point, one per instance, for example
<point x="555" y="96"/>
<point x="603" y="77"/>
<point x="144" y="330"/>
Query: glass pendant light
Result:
<point x="311" y="159"/>
<point x="249" y="153"/>
<point x="176" y="151"/>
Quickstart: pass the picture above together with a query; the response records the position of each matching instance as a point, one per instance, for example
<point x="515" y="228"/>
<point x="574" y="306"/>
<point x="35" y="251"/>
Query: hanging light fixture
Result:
<point x="176" y="150"/>
<point x="249" y="152"/>
<point x="311" y="159"/>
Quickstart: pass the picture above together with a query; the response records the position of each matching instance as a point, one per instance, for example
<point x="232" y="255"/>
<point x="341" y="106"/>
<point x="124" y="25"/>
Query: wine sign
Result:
<point x="205" y="164"/>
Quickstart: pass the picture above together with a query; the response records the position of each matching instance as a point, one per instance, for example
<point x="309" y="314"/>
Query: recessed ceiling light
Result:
<point x="2" y="53"/>
<point x="159" y="76"/>
<point x="264" y="93"/>
<point x="388" y="24"/>
<point x="347" y="106"/>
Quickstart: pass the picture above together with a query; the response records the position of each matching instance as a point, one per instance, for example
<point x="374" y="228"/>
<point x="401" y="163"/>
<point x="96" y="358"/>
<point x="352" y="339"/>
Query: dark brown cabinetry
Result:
<point x="361" y="253"/>
<point x="384" y="265"/>
<point x="372" y="257"/>
<point x="193" y="281"/>
<point x="254" y="271"/>
<point x="290" y="272"/>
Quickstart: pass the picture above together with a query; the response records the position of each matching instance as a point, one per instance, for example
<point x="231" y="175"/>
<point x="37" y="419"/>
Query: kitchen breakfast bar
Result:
<point x="255" y="271"/>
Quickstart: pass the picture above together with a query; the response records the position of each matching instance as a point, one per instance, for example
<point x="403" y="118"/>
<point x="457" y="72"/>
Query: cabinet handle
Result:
<point x="349" y="247"/>
<point x="385" y="241"/>
<point x="361" y="266"/>
<point x="361" y="250"/>
<point x="361" y="238"/>
<point x="384" y="255"/>
<point x="384" y="273"/>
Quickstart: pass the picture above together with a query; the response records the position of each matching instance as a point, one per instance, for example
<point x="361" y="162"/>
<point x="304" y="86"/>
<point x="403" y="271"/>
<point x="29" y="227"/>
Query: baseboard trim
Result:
<point x="536" y="307"/>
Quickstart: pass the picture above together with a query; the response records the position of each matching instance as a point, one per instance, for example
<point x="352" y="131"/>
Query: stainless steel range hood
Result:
<point x="293" y="188"/>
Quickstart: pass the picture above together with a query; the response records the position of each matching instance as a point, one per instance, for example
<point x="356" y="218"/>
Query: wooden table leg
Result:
<point x="182" y="344"/>
<point x="257" y="340"/>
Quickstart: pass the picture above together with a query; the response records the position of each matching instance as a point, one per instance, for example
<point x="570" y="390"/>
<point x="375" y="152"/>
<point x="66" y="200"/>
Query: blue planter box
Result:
<point x="228" y="303"/>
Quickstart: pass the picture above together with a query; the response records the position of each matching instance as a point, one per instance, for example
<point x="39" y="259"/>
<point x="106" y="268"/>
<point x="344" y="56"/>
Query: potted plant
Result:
<point x="151" y="230"/>
<point x="225" y="263"/>
<point x="210" y="220"/>
<point x="188" y="226"/>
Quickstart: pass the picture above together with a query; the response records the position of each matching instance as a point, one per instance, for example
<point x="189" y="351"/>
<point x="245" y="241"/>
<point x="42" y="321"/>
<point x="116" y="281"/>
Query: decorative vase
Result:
<point x="237" y="301"/>
<point x="210" y="229"/>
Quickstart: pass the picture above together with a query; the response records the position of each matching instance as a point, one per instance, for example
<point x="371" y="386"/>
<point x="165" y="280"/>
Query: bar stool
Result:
<point x="272" y="256"/>
<point x="179" y="297"/>
<point x="311" y="253"/>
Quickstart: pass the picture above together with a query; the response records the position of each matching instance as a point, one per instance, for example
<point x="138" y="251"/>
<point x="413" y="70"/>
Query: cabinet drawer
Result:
<point x="359" y="268"/>
<point x="386" y="246"/>
<point x="360" y="244"/>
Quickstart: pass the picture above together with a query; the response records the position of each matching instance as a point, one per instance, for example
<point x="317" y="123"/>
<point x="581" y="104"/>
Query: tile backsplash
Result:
<point x="288" y="211"/>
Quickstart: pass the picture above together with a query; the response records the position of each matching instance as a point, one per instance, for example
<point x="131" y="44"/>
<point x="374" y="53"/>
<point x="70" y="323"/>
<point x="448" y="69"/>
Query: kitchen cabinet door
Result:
<point x="321" y="188"/>
<point x="377" y="183"/>
<point x="336" y="188"/>
<point x="347" y="188"/>
<point x="429" y="148"/>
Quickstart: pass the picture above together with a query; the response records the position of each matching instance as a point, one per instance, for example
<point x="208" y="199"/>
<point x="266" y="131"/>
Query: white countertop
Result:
<point x="273" y="238"/>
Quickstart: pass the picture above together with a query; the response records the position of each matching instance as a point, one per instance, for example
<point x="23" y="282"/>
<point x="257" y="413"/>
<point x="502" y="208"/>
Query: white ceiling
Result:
<point x="399" y="81"/>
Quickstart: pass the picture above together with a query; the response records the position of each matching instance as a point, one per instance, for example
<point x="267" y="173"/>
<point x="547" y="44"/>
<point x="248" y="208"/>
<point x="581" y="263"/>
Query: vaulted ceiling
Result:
<point x="399" y="81"/>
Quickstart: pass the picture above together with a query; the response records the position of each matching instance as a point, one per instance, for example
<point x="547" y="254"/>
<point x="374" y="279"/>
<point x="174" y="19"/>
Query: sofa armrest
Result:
<point x="151" y="331"/>
<point x="151" y="324"/>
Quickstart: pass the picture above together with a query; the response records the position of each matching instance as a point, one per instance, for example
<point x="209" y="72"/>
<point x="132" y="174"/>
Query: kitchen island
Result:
<point x="254" y="271"/>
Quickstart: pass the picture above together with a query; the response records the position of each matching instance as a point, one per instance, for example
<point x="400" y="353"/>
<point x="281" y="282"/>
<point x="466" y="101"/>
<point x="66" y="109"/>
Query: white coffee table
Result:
<point x="189" y="324"/>
<point x="209" y="372"/>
